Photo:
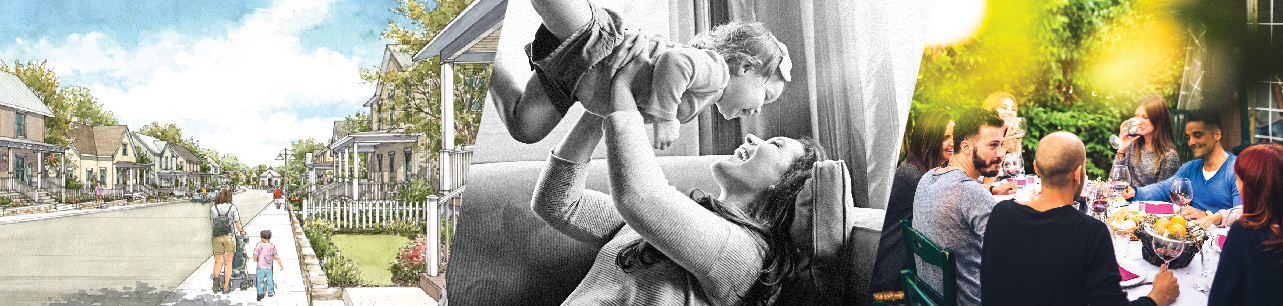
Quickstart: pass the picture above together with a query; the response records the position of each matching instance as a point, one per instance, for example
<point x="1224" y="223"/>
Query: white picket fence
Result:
<point x="440" y="213"/>
<point x="348" y="214"/>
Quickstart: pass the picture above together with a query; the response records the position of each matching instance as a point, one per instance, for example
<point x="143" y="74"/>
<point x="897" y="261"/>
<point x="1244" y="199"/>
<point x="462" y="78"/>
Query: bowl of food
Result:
<point x="1171" y="227"/>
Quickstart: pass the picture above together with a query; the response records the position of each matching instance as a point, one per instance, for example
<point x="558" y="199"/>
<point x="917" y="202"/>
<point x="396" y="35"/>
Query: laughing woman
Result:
<point x="929" y="145"/>
<point x="659" y="246"/>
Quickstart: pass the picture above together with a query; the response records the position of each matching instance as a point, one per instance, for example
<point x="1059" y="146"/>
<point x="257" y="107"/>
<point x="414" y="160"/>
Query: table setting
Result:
<point x="1148" y="234"/>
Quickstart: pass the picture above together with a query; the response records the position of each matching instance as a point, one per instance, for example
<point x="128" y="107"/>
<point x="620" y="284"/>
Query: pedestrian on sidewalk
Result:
<point x="265" y="255"/>
<point x="98" y="195"/>
<point x="276" y="197"/>
<point x="223" y="216"/>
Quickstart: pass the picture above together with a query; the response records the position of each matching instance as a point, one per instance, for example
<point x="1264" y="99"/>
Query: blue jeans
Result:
<point x="264" y="281"/>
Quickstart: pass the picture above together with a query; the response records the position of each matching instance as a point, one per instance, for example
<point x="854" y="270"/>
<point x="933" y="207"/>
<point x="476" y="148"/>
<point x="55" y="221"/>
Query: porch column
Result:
<point x="40" y="167"/>
<point x="11" y="169"/>
<point x="447" y="123"/>
<point x="62" y="162"/>
<point x="434" y="235"/>
<point x="355" y="177"/>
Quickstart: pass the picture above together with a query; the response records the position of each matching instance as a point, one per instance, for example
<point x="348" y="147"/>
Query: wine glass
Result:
<point x="1133" y="130"/>
<point x="1020" y="127"/>
<point x="1099" y="204"/>
<point x="1168" y="245"/>
<point x="1013" y="164"/>
<point x="1133" y="127"/>
<point x="1119" y="178"/>
<point x="1181" y="193"/>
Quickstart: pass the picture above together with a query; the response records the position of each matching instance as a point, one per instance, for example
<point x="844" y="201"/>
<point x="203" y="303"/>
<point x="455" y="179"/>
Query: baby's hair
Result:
<point x="266" y="234"/>
<point x="745" y="43"/>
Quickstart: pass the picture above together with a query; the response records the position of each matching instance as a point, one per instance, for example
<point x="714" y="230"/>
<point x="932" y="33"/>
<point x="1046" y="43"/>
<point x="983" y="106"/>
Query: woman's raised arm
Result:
<point x="722" y="255"/>
<point x="560" y="198"/>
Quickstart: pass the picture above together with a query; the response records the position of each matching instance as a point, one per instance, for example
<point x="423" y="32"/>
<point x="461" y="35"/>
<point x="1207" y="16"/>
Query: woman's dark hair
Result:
<point x="1260" y="167"/>
<point x="926" y="140"/>
<point x="770" y="218"/>
<point x="1161" y="119"/>
<point x="223" y="196"/>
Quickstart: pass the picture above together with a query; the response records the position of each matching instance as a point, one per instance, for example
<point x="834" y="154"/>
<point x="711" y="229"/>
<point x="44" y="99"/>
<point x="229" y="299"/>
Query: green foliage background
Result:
<point x="1049" y="55"/>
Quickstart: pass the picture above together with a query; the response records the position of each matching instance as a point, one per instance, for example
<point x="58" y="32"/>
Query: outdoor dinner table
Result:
<point x="1188" y="277"/>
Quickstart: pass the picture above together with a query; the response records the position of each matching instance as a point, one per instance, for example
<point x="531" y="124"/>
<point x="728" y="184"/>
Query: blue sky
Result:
<point x="243" y="77"/>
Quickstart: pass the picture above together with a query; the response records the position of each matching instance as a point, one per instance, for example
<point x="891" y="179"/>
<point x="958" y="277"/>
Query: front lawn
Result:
<point x="373" y="255"/>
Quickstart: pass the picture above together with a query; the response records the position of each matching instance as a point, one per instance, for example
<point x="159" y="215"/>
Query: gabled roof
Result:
<point x="270" y="173"/>
<point x="149" y="143"/>
<point x="471" y="37"/>
<point x="14" y="93"/>
<point x="338" y="132"/>
<point x="97" y="140"/>
<point x="184" y="153"/>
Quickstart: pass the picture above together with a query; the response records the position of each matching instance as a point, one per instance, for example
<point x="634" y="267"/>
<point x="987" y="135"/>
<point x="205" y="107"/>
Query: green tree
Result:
<point x="417" y="102"/>
<point x="356" y="123"/>
<point x="1050" y="56"/>
<point x="69" y="104"/>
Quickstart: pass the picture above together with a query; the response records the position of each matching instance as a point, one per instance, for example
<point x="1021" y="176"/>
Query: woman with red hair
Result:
<point x="1251" y="266"/>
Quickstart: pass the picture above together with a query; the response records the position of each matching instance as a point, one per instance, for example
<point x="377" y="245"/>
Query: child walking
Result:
<point x="265" y="255"/>
<point x="580" y="47"/>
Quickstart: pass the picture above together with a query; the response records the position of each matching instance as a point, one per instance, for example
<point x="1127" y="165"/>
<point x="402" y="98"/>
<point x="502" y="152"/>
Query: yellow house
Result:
<point x="104" y="155"/>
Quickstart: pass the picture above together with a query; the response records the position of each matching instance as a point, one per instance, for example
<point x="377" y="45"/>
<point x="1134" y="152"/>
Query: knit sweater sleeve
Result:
<point x="561" y="200"/>
<point x="724" y="257"/>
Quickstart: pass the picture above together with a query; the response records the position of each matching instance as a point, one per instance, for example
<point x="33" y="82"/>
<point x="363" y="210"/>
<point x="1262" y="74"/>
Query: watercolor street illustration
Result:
<point x="258" y="152"/>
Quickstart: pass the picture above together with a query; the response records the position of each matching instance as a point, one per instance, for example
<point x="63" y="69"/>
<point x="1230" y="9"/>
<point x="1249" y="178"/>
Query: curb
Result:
<point x="314" y="278"/>
<point x="81" y="212"/>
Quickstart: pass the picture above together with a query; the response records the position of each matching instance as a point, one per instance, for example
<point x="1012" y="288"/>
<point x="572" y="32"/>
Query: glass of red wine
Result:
<point x="1168" y="245"/>
<point x="1181" y="192"/>
<point x="1119" y="178"/>
<point x="1099" y="205"/>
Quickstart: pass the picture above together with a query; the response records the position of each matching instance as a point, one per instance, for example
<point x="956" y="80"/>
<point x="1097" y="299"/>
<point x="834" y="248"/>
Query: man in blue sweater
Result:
<point x="1211" y="174"/>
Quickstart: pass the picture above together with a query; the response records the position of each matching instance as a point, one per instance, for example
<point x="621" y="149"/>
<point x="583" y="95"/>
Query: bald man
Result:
<point x="1045" y="252"/>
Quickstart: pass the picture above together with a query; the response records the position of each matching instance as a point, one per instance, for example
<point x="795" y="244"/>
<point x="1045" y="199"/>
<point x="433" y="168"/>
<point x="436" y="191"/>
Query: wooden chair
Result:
<point x="917" y="292"/>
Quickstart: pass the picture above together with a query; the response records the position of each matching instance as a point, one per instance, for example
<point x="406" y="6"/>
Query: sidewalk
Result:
<point x="289" y="282"/>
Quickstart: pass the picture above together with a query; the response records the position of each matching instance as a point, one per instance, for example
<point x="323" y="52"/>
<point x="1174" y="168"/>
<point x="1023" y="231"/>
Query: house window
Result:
<point x="21" y="120"/>
<point x="102" y="176"/>
<point x="380" y="163"/>
<point x="407" y="165"/>
<point x="1266" y="95"/>
<point x="124" y="150"/>
<point x="89" y="175"/>
<point x="391" y="161"/>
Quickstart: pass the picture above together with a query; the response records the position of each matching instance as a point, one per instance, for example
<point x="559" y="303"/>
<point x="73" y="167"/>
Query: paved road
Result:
<point x="128" y="257"/>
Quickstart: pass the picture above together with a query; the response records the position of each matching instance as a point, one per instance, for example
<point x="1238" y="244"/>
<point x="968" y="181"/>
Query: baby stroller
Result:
<point x="241" y="278"/>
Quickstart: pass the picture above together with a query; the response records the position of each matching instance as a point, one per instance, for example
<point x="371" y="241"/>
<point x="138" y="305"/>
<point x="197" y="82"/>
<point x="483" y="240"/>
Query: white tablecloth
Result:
<point x="1188" y="277"/>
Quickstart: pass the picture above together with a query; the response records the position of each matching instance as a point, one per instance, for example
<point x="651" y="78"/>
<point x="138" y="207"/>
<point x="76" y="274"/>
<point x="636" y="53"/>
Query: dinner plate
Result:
<point x="1134" y="281"/>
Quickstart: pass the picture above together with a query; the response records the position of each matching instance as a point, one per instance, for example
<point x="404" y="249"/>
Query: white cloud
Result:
<point x="238" y="93"/>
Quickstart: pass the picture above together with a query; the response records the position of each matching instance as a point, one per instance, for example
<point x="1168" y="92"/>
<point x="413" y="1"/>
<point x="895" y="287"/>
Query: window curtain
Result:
<point x="854" y="68"/>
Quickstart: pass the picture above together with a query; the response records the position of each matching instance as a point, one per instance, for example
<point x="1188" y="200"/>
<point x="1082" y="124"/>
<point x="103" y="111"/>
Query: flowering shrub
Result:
<point x="410" y="261"/>
<point x="341" y="272"/>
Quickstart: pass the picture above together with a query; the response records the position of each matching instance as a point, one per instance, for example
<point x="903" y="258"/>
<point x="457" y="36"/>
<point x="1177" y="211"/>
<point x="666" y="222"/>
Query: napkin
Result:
<point x="1220" y="241"/>
<point x="1127" y="275"/>
<point x="1158" y="208"/>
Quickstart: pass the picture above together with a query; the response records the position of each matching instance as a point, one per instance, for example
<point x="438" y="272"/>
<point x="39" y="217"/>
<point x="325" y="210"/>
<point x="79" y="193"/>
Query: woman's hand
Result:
<point x="621" y="94"/>
<point x="1124" y="139"/>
